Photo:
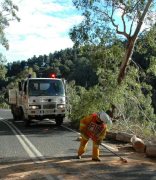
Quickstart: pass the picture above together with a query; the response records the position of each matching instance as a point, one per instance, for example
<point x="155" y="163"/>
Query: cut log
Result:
<point x="151" y="150"/>
<point x="111" y="135"/>
<point x="138" y="144"/>
<point x="124" y="137"/>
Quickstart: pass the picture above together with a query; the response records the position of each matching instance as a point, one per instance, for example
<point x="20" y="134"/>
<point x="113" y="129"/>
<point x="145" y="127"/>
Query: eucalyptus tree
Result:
<point x="8" y="12"/>
<point x="124" y="17"/>
<point x="146" y="51"/>
<point x="83" y="73"/>
<point x="132" y="98"/>
<point x="3" y="69"/>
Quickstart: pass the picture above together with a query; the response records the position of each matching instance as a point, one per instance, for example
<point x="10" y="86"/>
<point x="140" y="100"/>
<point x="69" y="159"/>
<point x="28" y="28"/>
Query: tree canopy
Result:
<point x="103" y="17"/>
<point x="7" y="13"/>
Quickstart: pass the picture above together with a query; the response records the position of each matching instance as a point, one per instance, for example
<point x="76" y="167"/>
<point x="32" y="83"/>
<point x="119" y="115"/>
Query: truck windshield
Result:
<point x="45" y="87"/>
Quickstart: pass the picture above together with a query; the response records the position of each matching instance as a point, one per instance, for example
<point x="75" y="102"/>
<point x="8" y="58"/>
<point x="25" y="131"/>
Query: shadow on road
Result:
<point x="42" y="128"/>
<point x="138" y="167"/>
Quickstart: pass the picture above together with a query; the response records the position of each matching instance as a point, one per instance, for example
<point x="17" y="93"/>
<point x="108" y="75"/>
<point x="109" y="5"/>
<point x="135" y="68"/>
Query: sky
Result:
<point x="43" y="28"/>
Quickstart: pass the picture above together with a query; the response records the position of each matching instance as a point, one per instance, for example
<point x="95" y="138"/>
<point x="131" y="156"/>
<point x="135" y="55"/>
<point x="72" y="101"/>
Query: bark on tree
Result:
<point x="151" y="150"/>
<point x="125" y="62"/>
<point x="124" y="137"/>
<point x="131" y="44"/>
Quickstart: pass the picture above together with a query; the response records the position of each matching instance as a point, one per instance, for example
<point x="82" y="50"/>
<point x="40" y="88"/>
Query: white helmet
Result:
<point x="104" y="117"/>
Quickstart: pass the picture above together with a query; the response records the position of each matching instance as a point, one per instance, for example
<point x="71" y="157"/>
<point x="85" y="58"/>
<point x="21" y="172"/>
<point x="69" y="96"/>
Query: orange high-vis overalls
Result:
<point x="89" y="128"/>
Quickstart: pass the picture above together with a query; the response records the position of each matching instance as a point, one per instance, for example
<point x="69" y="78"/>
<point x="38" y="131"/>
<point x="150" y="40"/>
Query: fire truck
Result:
<point x="39" y="99"/>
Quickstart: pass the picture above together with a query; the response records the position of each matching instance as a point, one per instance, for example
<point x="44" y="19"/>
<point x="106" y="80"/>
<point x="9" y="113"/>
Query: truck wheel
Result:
<point x="59" y="121"/>
<point x="15" y="118"/>
<point x="27" y="122"/>
<point x="14" y="111"/>
<point x="21" y="114"/>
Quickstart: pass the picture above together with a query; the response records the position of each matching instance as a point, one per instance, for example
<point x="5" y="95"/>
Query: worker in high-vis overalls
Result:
<point x="93" y="126"/>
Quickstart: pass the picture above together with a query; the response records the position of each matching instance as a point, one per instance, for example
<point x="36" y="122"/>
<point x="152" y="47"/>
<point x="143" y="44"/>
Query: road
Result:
<point x="44" y="139"/>
<point x="45" y="151"/>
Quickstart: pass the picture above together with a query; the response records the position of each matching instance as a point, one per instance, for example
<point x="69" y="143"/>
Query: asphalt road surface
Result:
<point x="41" y="140"/>
<point x="45" y="151"/>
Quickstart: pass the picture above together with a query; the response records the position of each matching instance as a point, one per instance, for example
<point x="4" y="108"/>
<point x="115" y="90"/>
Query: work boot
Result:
<point x="96" y="159"/>
<point x="78" y="157"/>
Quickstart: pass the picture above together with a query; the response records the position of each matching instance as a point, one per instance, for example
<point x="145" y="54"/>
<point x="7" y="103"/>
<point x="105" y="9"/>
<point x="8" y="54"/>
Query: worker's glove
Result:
<point x="98" y="142"/>
<point x="82" y="132"/>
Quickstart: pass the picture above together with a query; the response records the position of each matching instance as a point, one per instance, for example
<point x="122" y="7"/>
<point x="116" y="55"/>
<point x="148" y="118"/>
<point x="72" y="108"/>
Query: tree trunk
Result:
<point x="124" y="137"/>
<point x="151" y="150"/>
<point x="127" y="58"/>
<point x="131" y="43"/>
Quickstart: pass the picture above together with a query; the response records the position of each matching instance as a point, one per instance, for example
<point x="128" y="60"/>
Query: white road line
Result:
<point x="33" y="153"/>
<point x="6" y="110"/>
<point x="70" y="129"/>
<point x="111" y="148"/>
<point x="26" y="148"/>
<point x="41" y="156"/>
<point x="38" y="154"/>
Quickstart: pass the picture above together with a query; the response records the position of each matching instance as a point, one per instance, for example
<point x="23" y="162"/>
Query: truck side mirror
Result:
<point x="65" y="84"/>
<point x="20" y="86"/>
<point x="64" y="81"/>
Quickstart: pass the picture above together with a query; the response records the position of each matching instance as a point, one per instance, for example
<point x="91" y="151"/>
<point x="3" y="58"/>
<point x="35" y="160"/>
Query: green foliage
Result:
<point x="145" y="55"/>
<point x="4" y="105"/>
<point x="73" y="94"/>
<point x="137" y="95"/>
<point x="13" y="82"/>
<point x="132" y="98"/>
<point x="102" y="18"/>
<point x="7" y="13"/>
<point x="145" y="131"/>
<point x="85" y="102"/>
<point x="83" y="73"/>
<point x="146" y="43"/>
<point x="152" y="66"/>
<point x="101" y="15"/>
<point x="3" y="69"/>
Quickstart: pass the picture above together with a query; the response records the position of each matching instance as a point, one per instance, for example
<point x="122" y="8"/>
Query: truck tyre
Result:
<point x="59" y="120"/>
<point x="27" y="122"/>
<point x="21" y="114"/>
<point x="14" y="113"/>
<point x="15" y="118"/>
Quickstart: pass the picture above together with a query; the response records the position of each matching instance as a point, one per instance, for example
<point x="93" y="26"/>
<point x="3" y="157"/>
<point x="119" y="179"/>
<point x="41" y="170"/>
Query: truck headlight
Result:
<point x="34" y="107"/>
<point x="61" y="106"/>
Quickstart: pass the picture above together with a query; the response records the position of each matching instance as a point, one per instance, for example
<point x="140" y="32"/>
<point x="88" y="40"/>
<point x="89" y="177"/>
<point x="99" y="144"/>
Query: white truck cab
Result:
<point x="39" y="98"/>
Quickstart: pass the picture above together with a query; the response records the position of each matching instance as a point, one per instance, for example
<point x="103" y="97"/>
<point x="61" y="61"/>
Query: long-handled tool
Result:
<point x="121" y="158"/>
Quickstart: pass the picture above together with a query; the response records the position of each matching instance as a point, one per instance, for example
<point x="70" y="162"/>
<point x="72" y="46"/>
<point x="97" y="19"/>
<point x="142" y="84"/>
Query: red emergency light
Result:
<point x="52" y="75"/>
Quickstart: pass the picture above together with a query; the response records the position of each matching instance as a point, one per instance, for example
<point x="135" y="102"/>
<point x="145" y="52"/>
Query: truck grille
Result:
<point x="49" y="106"/>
